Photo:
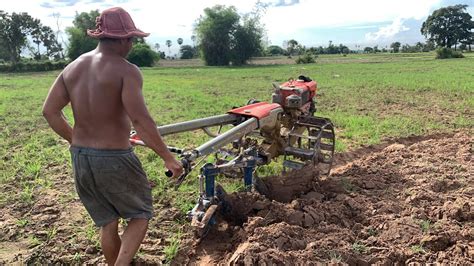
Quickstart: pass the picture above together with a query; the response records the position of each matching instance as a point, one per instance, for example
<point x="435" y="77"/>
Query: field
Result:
<point x="402" y="190"/>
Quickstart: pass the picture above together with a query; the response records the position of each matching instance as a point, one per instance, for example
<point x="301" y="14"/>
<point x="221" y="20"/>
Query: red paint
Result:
<point x="136" y="140"/>
<point x="257" y="110"/>
<point x="311" y="86"/>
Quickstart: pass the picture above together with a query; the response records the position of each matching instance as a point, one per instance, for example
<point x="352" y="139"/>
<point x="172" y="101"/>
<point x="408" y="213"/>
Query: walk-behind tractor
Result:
<point x="257" y="133"/>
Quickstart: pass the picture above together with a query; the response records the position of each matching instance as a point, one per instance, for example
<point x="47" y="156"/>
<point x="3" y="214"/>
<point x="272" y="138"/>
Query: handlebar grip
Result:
<point x="168" y="173"/>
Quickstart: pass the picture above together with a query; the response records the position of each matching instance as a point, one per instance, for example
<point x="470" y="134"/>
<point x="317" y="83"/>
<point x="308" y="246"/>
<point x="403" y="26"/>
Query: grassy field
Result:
<point x="368" y="97"/>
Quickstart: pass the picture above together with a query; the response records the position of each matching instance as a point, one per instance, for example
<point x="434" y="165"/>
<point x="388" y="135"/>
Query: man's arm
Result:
<point x="52" y="109"/>
<point x="134" y="104"/>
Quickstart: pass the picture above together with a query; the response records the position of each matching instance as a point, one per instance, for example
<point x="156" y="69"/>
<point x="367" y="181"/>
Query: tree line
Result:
<point x="15" y="29"/>
<point x="222" y="36"/>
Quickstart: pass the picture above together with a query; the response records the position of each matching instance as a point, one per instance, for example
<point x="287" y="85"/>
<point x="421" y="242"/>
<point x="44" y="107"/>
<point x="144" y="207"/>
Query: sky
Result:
<point x="355" y="23"/>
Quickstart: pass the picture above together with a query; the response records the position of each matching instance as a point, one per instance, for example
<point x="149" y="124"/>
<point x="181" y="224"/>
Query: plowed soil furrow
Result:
<point x="403" y="201"/>
<point x="400" y="202"/>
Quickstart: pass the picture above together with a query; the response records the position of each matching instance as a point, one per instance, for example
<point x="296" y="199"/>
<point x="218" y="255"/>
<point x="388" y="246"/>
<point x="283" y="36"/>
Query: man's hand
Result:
<point x="175" y="167"/>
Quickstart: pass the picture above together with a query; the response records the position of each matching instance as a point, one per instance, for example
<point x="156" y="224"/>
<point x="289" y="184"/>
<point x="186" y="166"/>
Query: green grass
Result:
<point x="417" y="249"/>
<point x="359" y="248"/>
<point x="368" y="97"/>
<point x="425" y="225"/>
<point x="22" y="222"/>
<point x="172" y="247"/>
<point x="335" y="257"/>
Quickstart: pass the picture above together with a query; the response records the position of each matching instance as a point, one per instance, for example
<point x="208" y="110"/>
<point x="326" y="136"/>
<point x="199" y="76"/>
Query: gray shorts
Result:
<point x="111" y="184"/>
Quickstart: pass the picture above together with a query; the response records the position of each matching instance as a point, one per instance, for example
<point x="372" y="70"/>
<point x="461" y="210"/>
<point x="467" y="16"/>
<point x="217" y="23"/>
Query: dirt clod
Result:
<point x="408" y="202"/>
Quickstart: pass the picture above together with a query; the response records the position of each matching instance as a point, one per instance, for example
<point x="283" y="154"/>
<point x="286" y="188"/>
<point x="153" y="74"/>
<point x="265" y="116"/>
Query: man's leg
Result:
<point x="131" y="240"/>
<point x="110" y="241"/>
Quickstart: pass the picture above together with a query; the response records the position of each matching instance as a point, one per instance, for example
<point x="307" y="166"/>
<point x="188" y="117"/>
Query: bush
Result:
<point x="445" y="53"/>
<point x="187" y="52"/>
<point x="142" y="55"/>
<point x="306" y="58"/>
<point x="33" y="66"/>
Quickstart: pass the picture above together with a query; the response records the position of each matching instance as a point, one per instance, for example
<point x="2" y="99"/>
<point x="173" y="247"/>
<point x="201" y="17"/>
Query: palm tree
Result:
<point x="180" y="41"/>
<point x="168" y="43"/>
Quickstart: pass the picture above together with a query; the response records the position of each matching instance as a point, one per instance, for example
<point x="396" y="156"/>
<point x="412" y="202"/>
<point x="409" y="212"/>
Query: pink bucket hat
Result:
<point x="115" y="23"/>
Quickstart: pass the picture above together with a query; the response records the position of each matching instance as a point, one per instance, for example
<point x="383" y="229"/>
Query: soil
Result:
<point x="403" y="201"/>
<point x="400" y="202"/>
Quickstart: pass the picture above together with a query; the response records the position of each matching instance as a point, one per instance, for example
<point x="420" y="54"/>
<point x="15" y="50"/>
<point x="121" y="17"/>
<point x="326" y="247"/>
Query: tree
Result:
<point x="406" y="48"/>
<point x="247" y="41"/>
<point x="291" y="46"/>
<point x="16" y="29"/>
<point x="224" y="36"/>
<point x="429" y="46"/>
<point x="162" y="55"/>
<point x="419" y="46"/>
<point x="214" y="31"/>
<point x="168" y="43"/>
<point x="157" y="47"/>
<point x="79" y="42"/>
<point x="44" y="35"/>
<point x="275" y="50"/>
<point x="316" y="50"/>
<point x="4" y="56"/>
<point x="179" y="41"/>
<point x="468" y="41"/>
<point x="448" y="26"/>
<point x="186" y="51"/>
<point x="395" y="46"/>
<point x="58" y="32"/>
<point x="14" y="32"/>
<point x="343" y="49"/>
<point x="194" y="39"/>
<point x="142" y="55"/>
<point x="368" y="50"/>
<point x="331" y="49"/>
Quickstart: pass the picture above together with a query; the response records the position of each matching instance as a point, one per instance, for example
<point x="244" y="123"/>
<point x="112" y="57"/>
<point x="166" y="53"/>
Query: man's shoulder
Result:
<point x="82" y="59"/>
<point x="131" y="65"/>
<point x="132" y="69"/>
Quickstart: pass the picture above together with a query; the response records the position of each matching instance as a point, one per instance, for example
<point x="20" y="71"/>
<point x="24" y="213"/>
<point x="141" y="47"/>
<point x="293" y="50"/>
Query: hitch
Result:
<point x="210" y="199"/>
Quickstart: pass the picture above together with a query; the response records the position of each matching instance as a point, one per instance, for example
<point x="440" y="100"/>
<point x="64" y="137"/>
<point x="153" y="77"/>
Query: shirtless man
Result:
<point x="105" y="92"/>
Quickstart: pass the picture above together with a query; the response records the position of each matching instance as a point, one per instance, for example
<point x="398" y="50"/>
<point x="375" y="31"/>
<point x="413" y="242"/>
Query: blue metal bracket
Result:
<point x="209" y="171"/>
<point x="248" y="173"/>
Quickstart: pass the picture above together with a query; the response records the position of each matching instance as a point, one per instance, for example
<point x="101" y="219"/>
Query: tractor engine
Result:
<point x="296" y="95"/>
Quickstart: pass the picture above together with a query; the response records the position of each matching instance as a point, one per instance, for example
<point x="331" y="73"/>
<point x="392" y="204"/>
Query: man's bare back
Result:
<point x="105" y="92"/>
<point x="94" y="84"/>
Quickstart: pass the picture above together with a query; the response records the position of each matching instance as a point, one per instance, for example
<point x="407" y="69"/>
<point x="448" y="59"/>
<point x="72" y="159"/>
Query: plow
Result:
<point x="250" y="136"/>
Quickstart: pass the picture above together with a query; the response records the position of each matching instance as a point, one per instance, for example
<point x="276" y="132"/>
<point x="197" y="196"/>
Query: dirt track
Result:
<point x="407" y="201"/>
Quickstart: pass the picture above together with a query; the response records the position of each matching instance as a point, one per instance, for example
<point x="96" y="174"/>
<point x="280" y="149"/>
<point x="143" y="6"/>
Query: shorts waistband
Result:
<point x="100" y="152"/>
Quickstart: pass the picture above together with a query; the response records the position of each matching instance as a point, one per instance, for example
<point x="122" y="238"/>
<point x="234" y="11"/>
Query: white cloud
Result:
<point x="173" y="19"/>
<point x="282" y="23"/>
<point x="387" y="31"/>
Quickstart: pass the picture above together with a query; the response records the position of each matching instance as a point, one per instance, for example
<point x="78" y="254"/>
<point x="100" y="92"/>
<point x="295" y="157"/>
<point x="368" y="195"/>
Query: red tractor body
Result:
<point x="296" y="94"/>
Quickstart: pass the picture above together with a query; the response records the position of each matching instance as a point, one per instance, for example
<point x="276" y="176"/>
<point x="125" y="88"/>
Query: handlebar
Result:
<point x="187" y="169"/>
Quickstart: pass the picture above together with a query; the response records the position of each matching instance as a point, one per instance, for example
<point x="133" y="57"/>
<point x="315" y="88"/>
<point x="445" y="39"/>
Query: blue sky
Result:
<point x="311" y="22"/>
